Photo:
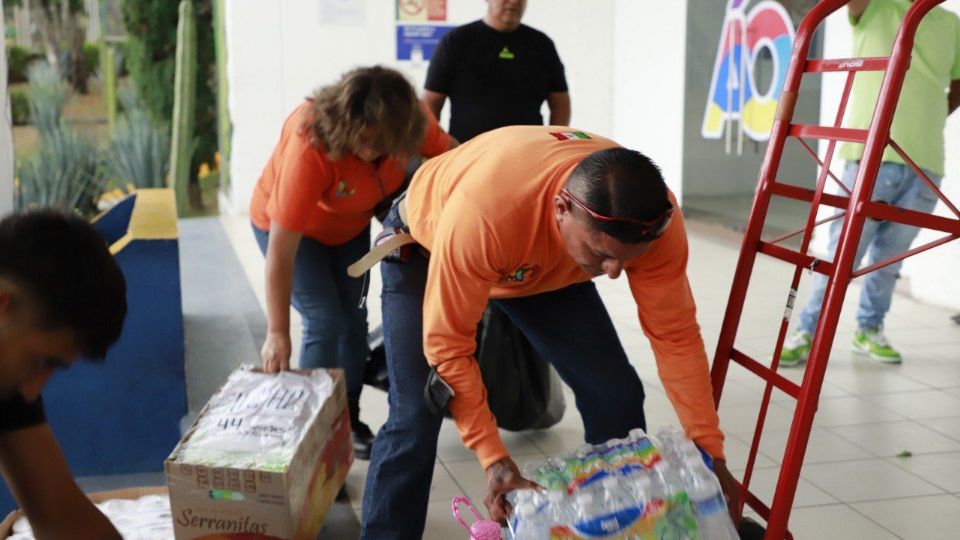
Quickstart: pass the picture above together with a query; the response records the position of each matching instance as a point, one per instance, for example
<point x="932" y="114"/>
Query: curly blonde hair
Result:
<point x="377" y="97"/>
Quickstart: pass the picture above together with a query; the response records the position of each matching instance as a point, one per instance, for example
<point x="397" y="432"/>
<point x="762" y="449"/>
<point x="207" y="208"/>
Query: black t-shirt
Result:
<point x="15" y="413"/>
<point x="494" y="79"/>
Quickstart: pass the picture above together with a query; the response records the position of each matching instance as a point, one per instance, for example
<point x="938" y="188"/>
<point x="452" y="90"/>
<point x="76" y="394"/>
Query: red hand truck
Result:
<point x="856" y="206"/>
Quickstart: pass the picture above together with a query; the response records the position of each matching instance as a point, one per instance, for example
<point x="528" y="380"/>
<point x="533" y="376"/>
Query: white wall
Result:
<point x="932" y="275"/>
<point x="648" y="81"/>
<point x="279" y="52"/>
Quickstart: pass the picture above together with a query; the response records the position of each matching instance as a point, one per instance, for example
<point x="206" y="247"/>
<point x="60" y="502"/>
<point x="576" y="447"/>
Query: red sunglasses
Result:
<point x="653" y="227"/>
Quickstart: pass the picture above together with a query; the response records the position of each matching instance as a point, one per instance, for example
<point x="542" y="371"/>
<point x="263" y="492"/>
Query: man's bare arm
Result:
<point x="39" y="478"/>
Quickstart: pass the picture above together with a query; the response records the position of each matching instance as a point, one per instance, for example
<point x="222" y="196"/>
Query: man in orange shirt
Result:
<point x="525" y="217"/>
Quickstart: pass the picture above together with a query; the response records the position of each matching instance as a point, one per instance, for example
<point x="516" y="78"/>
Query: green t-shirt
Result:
<point x="922" y="111"/>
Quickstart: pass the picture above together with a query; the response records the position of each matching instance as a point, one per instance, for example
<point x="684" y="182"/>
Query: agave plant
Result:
<point x="140" y="151"/>
<point x="48" y="95"/>
<point x="66" y="174"/>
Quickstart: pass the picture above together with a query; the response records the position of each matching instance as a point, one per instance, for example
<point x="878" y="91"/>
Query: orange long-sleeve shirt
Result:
<point x="329" y="201"/>
<point x="485" y="212"/>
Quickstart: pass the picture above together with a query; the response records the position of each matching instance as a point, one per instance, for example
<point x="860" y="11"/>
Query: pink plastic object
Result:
<point x="482" y="529"/>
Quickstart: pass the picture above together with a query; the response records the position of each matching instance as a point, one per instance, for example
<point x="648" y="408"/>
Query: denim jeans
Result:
<point x="898" y="185"/>
<point x="329" y="303"/>
<point x="569" y="327"/>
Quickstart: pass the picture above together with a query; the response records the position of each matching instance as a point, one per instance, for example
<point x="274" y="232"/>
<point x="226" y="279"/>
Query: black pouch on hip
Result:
<point x="437" y="393"/>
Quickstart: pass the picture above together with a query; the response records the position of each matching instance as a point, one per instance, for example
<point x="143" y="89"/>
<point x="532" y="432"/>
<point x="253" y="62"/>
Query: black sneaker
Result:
<point x="362" y="440"/>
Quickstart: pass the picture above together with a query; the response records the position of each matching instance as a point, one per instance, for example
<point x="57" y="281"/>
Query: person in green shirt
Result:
<point x="931" y="91"/>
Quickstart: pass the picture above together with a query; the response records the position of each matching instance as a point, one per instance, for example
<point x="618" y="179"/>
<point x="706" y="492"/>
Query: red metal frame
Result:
<point x="856" y="207"/>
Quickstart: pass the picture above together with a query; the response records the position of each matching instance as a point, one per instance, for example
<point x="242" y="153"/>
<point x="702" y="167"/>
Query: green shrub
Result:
<point x="67" y="174"/>
<point x="48" y="95"/>
<point x="19" y="107"/>
<point x="18" y="59"/>
<point x="91" y="59"/>
<point x="140" y="151"/>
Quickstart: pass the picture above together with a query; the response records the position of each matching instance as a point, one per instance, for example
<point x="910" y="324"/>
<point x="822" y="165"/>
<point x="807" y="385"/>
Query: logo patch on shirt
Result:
<point x="570" y="135"/>
<point x="526" y="271"/>
<point x="505" y="54"/>
<point x="344" y="190"/>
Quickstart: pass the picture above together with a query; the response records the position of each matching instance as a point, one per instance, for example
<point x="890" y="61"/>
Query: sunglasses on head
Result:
<point x="649" y="228"/>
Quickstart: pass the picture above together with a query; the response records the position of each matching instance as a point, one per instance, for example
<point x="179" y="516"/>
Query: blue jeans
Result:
<point x="569" y="327"/>
<point x="898" y="185"/>
<point x="329" y="303"/>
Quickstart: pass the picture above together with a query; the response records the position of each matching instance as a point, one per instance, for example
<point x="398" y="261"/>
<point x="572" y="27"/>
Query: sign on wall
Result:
<point x="417" y="31"/>
<point x="417" y="41"/>
<point x="343" y="12"/>
<point x="421" y="10"/>
<point x="735" y="101"/>
<point x="737" y="54"/>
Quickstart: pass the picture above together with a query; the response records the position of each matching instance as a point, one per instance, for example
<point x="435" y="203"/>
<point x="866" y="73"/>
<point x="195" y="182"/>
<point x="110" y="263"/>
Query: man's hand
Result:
<point x="729" y="486"/>
<point x="502" y="478"/>
<point x="276" y="352"/>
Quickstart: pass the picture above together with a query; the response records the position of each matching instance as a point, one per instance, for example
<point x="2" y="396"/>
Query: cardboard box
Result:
<point x="6" y="527"/>
<point x="209" y="503"/>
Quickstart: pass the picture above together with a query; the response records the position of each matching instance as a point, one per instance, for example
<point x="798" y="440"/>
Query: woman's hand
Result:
<point x="275" y="353"/>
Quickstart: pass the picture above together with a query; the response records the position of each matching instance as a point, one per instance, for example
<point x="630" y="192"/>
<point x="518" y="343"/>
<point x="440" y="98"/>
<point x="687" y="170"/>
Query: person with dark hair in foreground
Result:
<point x="525" y="217"/>
<point x="62" y="296"/>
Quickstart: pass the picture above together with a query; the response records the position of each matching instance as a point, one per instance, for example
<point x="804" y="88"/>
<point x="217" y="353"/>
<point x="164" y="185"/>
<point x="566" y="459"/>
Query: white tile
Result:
<point x="822" y="447"/>
<point x="890" y="439"/>
<point x="443" y="487"/>
<point x="919" y="518"/>
<point x="908" y="339"/>
<point x="867" y="480"/>
<point x="472" y="479"/>
<point x="867" y="377"/>
<point x="737" y="451"/>
<point x="834" y="522"/>
<point x="742" y="419"/>
<point x="845" y="411"/>
<point x="942" y="470"/>
<point x="949" y="426"/>
<point x="763" y="483"/>
<point x="558" y="439"/>
<point x="450" y="446"/>
<point x="920" y="404"/>
<point x="953" y="390"/>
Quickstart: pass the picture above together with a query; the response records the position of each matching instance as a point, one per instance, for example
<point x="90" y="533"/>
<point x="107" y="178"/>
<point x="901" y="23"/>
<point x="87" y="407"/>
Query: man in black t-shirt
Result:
<point x="62" y="295"/>
<point x="496" y="72"/>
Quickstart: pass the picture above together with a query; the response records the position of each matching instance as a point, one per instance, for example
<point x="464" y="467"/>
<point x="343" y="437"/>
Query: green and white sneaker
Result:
<point x="796" y="349"/>
<point x="872" y="342"/>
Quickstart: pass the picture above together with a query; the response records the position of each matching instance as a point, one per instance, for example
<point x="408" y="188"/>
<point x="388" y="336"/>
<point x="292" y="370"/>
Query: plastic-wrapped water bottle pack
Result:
<point x="638" y="488"/>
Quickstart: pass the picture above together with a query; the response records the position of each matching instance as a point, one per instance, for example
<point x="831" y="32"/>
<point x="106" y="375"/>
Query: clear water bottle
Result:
<point x="606" y="510"/>
<point x="641" y="486"/>
<point x="713" y="519"/>
<point x="558" y="510"/>
<point x="528" y="523"/>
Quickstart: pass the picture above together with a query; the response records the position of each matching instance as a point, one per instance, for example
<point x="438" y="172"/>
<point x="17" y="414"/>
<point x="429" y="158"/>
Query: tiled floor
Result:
<point x="853" y="484"/>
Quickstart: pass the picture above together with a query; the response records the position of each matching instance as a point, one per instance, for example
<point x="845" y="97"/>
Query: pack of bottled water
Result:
<point x="637" y="488"/>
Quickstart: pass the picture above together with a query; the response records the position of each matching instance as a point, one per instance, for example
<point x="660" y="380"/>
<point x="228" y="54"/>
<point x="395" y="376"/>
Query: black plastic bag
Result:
<point x="523" y="390"/>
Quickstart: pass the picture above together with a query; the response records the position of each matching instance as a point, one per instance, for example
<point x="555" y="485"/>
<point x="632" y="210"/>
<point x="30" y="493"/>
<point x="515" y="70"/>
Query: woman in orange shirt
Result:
<point x="341" y="153"/>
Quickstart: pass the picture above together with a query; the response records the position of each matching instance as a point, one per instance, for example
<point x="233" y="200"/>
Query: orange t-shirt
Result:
<point x="485" y="211"/>
<point x="329" y="201"/>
